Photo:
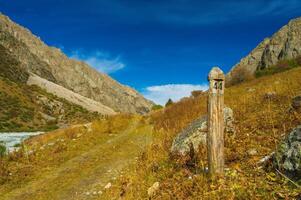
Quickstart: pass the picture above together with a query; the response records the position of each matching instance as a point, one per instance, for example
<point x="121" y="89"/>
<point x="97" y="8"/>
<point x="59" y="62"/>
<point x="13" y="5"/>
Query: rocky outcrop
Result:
<point x="70" y="96"/>
<point x="195" y="134"/>
<point x="285" y="44"/>
<point x="51" y="64"/>
<point x="287" y="157"/>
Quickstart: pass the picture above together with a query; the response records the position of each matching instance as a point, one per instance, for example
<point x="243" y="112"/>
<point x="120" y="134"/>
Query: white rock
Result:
<point x="152" y="190"/>
<point x="108" y="186"/>
<point x="252" y="152"/>
<point x="51" y="144"/>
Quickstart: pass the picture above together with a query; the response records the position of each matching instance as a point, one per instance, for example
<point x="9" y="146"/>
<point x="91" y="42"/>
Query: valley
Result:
<point x="69" y="131"/>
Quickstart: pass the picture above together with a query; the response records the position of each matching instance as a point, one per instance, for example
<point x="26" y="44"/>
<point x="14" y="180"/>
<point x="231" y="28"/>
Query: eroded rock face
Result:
<point x="195" y="134"/>
<point x="51" y="64"/>
<point x="287" y="157"/>
<point x="285" y="44"/>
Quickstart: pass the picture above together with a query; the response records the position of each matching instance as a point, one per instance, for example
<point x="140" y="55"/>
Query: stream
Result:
<point x="12" y="139"/>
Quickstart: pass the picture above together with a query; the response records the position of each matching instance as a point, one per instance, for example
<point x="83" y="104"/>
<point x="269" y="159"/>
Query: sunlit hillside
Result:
<point x="107" y="159"/>
<point x="262" y="118"/>
<point x="76" y="163"/>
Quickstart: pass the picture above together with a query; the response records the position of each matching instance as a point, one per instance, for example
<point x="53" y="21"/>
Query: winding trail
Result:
<point x="86" y="175"/>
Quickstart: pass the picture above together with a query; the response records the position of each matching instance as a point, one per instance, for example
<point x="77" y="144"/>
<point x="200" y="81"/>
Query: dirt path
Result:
<point x="85" y="176"/>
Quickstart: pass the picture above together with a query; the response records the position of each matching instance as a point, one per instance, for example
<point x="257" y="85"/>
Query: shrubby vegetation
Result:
<point x="281" y="66"/>
<point x="2" y="149"/>
<point x="20" y="109"/>
<point x="157" y="107"/>
<point x="169" y="103"/>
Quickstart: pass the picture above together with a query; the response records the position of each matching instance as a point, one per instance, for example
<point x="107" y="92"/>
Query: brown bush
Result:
<point x="239" y="75"/>
<point x="197" y="93"/>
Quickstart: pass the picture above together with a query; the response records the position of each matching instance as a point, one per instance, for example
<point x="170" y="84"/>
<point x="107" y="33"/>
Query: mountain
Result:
<point x="283" y="45"/>
<point x="49" y="64"/>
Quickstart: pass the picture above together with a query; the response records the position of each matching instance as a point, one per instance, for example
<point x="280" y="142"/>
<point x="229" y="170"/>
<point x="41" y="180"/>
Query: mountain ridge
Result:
<point x="283" y="44"/>
<point x="53" y="65"/>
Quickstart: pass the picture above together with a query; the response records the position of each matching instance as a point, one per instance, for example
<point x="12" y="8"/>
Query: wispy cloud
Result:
<point x="195" y="12"/>
<point x="212" y="12"/>
<point x="100" y="60"/>
<point x="161" y="93"/>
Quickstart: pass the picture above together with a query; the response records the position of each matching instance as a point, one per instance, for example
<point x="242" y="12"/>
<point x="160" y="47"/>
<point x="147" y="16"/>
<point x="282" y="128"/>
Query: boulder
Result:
<point x="195" y="134"/>
<point x="287" y="157"/>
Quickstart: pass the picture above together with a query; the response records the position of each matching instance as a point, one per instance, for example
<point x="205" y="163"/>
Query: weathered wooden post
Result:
<point x="215" y="136"/>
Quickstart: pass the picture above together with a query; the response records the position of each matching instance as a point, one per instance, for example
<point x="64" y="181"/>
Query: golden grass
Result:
<point x="260" y="122"/>
<point x="65" y="164"/>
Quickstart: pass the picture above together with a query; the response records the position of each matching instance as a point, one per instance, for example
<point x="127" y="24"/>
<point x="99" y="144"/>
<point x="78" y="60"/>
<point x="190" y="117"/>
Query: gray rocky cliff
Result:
<point x="284" y="44"/>
<point x="51" y="64"/>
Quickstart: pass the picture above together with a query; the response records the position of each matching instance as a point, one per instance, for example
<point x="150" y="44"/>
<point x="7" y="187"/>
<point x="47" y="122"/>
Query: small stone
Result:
<point x="252" y="152"/>
<point x="108" y="186"/>
<point x="94" y="193"/>
<point x="87" y="193"/>
<point x="250" y="90"/>
<point x="270" y="95"/>
<point x="266" y="158"/>
<point x="51" y="144"/>
<point x="153" y="189"/>
<point x="99" y="192"/>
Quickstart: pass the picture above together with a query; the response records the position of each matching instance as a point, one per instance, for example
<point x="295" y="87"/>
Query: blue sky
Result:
<point x="162" y="48"/>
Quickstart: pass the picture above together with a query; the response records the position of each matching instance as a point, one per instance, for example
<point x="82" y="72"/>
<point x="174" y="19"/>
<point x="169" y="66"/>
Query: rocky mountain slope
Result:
<point x="51" y="64"/>
<point x="284" y="44"/>
<point x="29" y="108"/>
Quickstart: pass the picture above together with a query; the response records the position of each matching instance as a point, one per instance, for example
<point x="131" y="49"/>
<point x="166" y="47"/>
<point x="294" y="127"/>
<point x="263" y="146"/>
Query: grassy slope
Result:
<point x="78" y="165"/>
<point x="20" y="110"/>
<point x="261" y="123"/>
<point x="66" y="164"/>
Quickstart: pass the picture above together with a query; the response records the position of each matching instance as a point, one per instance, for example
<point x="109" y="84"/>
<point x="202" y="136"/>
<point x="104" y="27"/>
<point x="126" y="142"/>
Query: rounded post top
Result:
<point x="216" y="74"/>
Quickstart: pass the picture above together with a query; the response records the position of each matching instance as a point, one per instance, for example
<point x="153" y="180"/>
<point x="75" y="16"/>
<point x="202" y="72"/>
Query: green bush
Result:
<point x="2" y="150"/>
<point x="157" y="107"/>
<point x="169" y="103"/>
<point x="281" y="66"/>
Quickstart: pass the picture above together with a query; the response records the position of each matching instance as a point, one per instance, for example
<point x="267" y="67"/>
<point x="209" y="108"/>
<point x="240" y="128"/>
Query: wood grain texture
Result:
<point x="215" y="136"/>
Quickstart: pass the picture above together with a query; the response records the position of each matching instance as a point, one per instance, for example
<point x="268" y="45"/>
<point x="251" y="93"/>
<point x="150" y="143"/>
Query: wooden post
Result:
<point x="215" y="136"/>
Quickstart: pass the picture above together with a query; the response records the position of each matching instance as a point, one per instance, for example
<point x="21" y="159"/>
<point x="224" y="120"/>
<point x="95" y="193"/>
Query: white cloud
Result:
<point x="101" y="61"/>
<point x="161" y="93"/>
